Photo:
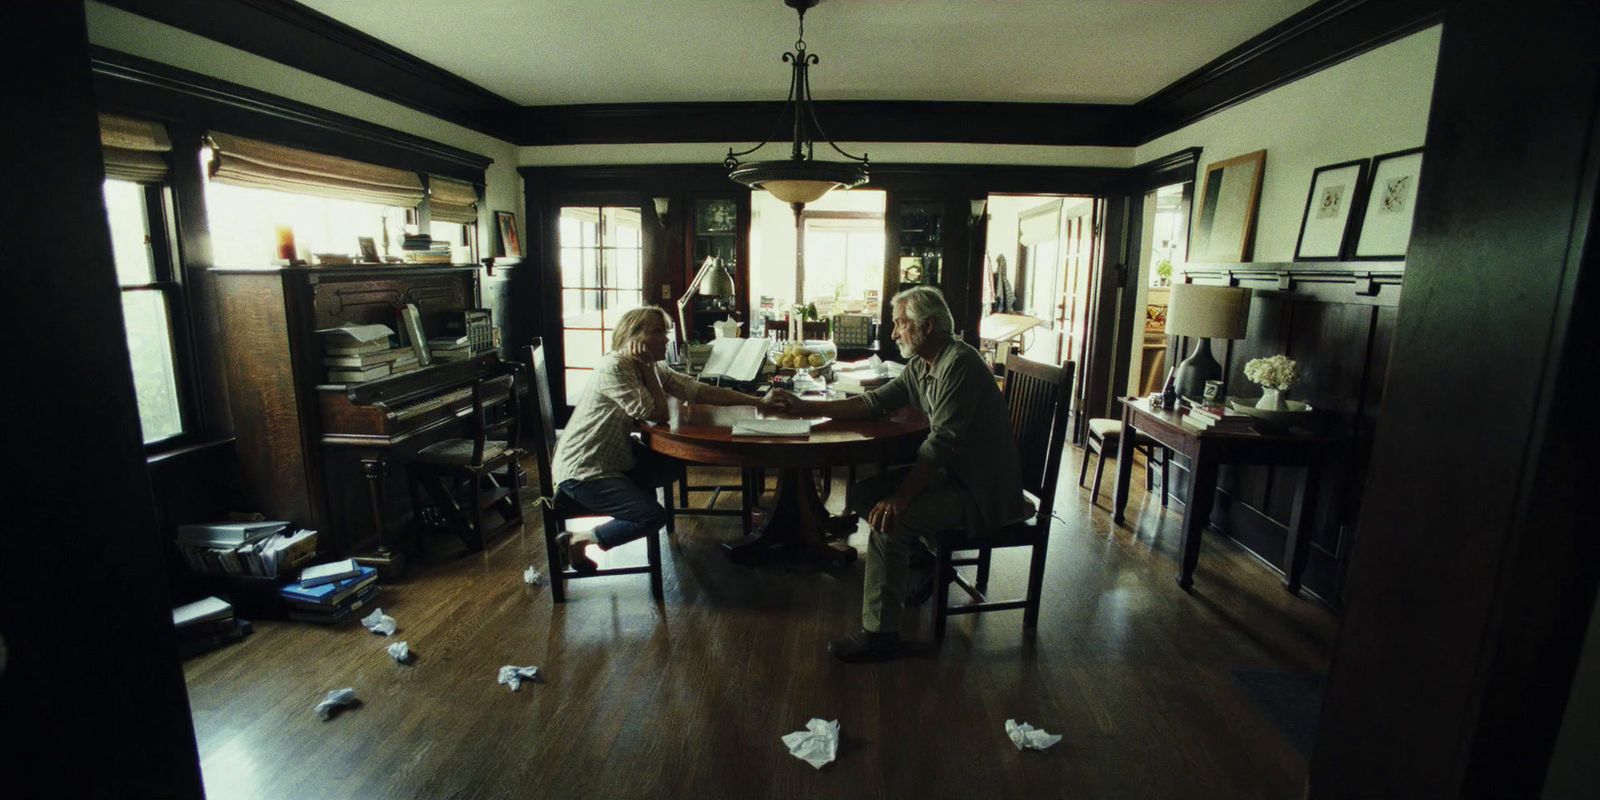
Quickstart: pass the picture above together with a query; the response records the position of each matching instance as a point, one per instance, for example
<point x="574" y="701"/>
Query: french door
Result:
<point x="602" y="277"/>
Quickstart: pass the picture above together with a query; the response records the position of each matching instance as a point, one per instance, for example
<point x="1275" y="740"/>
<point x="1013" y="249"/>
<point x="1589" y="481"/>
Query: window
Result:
<point x="844" y="259"/>
<point x="151" y="302"/>
<point x="842" y="254"/>
<point x="602" y="277"/>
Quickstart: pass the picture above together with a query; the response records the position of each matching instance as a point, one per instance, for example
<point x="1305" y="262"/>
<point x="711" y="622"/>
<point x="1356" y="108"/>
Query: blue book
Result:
<point x="329" y="593"/>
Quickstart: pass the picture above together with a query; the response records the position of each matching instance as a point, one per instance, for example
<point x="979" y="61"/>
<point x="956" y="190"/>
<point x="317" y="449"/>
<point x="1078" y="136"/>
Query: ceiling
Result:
<point x="564" y="52"/>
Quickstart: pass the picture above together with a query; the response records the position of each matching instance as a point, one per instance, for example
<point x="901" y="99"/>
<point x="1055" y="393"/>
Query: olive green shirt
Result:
<point x="969" y="430"/>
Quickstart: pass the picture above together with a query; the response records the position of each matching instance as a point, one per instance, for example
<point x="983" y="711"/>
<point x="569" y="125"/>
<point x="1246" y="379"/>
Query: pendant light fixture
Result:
<point x="800" y="179"/>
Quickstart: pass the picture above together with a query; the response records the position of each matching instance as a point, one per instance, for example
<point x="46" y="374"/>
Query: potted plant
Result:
<point x="1164" y="271"/>
<point x="1276" y="375"/>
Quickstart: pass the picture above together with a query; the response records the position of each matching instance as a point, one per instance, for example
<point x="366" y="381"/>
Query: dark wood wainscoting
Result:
<point x="1336" y="320"/>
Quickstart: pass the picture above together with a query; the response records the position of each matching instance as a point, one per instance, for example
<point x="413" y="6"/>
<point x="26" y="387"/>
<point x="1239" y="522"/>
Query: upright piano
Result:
<point x="331" y="457"/>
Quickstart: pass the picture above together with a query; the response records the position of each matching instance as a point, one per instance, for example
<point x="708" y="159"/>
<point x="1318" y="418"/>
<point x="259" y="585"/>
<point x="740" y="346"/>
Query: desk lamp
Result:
<point x="1205" y="312"/>
<point x="712" y="280"/>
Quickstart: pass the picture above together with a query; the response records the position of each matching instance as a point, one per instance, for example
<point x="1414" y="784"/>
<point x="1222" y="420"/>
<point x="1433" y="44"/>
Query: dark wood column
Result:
<point x="1475" y="570"/>
<point x="93" y="694"/>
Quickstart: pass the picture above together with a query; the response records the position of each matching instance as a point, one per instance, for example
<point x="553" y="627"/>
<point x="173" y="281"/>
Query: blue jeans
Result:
<point x="630" y="500"/>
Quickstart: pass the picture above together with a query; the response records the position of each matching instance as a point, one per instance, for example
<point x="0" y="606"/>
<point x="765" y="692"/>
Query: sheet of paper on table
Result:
<point x="776" y="427"/>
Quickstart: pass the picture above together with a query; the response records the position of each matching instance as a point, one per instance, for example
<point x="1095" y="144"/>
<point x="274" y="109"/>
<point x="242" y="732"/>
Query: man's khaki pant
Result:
<point x="942" y="505"/>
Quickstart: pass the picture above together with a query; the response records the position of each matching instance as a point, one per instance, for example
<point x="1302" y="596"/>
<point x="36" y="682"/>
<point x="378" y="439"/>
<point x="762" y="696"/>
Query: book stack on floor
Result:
<point x="262" y="549"/>
<point x="328" y="593"/>
<point x="1217" y="418"/>
<point x="450" y="348"/>
<point x="206" y="625"/>
<point x="362" y="353"/>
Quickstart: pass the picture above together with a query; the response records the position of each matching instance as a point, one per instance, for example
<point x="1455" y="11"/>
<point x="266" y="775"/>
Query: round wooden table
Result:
<point x="798" y="523"/>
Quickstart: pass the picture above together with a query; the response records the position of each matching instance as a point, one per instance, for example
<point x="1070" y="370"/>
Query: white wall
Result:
<point x="136" y="35"/>
<point x="1374" y="103"/>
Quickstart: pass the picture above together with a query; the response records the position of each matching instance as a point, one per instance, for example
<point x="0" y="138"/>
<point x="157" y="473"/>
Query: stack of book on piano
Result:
<point x="449" y="348"/>
<point x="206" y="625"/>
<point x="1217" y="418"/>
<point x="261" y="549"/>
<point x="362" y="353"/>
<point x="426" y="250"/>
<point x="328" y="593"/>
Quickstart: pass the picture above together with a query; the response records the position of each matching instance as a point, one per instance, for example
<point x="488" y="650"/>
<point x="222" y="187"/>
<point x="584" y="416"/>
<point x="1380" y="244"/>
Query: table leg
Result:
<point x="1196" y="514"/>
<point x="1300" y="518"/>
<point x="797" y="525"/>
<point x="1119" y="495"/>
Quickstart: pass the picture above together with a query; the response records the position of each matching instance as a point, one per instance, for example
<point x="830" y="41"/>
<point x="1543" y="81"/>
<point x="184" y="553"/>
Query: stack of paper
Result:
<point x="775" y="427"/>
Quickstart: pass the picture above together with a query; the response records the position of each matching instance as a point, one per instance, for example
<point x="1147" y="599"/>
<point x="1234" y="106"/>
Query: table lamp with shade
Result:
<point x="713" y="280"/>
<point x="1206" y="313"/>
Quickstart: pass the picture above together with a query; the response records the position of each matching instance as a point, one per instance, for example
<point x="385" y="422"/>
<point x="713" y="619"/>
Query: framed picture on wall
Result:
<point x="715" y="216"/>
<point x="1391" y="205"/>
<point x="1325" y="225"/>
<point x="510" y="243"/>
<point x="1225" y="222"/>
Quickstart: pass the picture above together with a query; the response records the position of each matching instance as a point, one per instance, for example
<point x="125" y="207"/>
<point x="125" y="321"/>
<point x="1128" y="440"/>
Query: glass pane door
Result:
<point x="602" y="277"/>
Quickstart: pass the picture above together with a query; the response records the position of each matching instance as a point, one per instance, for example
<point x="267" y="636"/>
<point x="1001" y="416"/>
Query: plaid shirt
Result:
<point x="596" y="441"/>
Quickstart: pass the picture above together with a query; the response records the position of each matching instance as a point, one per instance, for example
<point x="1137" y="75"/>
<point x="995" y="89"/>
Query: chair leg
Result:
<point x="475" y="536"/>
<point x="751" y="496"/>
<point x="683" y="489"/>
<point x="1099" y="469"/>
<point x="1030" y="613"/>
<point x="558" y="580"/>
<point x="983" y="571"/>
<point x="827" y="483"/>
<point x="666" y="503"/>
<point x="1089" y="448"/>
<point x="653" y="553"/>
<point x="1149" y="467"/>
<point x="941" y="591"/>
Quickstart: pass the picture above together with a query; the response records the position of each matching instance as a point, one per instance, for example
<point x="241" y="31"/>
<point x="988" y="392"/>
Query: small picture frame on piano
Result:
<point x="369" y="250"/>
<point x="411" y="323"/>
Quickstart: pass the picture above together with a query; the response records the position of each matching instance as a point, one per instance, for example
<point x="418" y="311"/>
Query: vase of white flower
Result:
<point x="1276" y="375"/>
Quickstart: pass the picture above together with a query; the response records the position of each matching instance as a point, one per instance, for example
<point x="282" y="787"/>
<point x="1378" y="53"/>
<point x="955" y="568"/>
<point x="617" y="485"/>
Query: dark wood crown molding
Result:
<point x="1316" y="38"/>
<point x="134" y="85"/>
<point x="306" y="39"/>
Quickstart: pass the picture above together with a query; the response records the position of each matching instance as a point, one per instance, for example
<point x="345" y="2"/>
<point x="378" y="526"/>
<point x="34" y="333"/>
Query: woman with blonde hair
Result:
<point x="598" y="462"/>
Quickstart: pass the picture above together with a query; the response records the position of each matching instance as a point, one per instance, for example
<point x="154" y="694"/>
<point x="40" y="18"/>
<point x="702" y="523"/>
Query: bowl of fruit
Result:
<point x="811" y="356"/>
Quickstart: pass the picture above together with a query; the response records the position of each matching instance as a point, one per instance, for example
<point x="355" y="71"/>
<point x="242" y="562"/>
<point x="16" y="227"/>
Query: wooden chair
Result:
<point x="1106" y="434"/>
<point x="557" y="508"/>
<point x="815" y="330"/>
<point x="440" y="467"/>
<point x="778" y="329"/>
<point x="1037" y="396"/>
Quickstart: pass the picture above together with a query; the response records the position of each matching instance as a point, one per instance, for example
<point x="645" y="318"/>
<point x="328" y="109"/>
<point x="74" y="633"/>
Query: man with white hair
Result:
<point x="967" y="473"/>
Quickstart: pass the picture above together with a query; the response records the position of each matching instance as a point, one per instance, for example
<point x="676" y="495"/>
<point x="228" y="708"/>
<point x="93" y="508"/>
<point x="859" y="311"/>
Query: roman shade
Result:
<point x="239" y="161"/>
<point x="452" y="201"/>
<point x="134" y="149"/>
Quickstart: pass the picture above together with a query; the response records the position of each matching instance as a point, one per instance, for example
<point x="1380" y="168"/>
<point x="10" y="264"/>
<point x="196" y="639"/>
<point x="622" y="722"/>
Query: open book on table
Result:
<point x="735" y="359"/>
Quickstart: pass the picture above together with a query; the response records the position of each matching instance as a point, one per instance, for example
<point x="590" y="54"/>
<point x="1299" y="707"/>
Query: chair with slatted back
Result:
<point x="557" y="508"/>
<point x="778" y="329"/>
<point x="485" y="463"/>
<point x="1037" y="398"/>
<point x="815" y="330"/>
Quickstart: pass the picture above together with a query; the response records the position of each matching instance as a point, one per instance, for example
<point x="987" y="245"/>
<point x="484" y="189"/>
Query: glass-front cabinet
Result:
<point x="919" y="245"/>
<point x="717" y="226"/>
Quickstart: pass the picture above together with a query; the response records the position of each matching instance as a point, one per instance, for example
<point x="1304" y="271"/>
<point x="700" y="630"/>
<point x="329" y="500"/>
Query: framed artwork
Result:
<point x="1325" y="225"/>
<point x="369" y="250"/>
<point x="1391" y="205"/>
<point x="715" y="216"/>
<point x="1225" y="222"/>
<point x="510" y="243"/>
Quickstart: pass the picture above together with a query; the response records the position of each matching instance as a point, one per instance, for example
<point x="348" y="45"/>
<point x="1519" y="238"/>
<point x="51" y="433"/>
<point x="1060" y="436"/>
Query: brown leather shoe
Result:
<point x="571" y="554"/>
<point x="864" y="646"/>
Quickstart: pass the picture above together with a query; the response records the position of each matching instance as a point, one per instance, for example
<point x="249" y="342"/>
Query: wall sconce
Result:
<point x="979" y="206"/>
<point x="661" y="208"/>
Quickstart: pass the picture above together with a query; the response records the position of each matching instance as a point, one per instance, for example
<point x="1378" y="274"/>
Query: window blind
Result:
<point x="452" y="201"/>
<point x="134" y="148"/>
<point x="247" y="162"/>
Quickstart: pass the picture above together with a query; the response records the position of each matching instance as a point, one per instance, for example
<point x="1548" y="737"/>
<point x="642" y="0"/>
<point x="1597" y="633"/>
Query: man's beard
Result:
<point x="910" y="344"/>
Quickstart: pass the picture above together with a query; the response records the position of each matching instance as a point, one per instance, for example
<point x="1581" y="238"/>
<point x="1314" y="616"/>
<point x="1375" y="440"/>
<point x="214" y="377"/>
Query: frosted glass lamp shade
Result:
<point x="792" y="192"/>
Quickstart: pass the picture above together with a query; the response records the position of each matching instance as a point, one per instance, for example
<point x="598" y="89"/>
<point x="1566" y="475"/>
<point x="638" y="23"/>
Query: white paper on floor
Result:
<point x="1027" y="737"/>
<point x="336" y="699"/>
<point x="534" y="577"/>
<point x="400" y="651"/>
<point x="817" y="745"/>
<point x="379" y="622"/>
<point x="514" y="676"/>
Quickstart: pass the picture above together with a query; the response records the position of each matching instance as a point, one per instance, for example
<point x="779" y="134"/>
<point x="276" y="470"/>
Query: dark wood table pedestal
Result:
<point x="797" y="526"/>
<point x="1207" y="451"/>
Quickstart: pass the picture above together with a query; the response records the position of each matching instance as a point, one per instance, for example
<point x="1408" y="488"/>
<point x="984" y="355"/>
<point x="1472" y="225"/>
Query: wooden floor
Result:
<point x="689" y="698"/>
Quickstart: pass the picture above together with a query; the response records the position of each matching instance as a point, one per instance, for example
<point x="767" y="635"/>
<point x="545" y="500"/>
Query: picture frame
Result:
<point x="510" y="245"/>
<point x="715" y="216"/>
<point x="1329" y="215"/>
<point x="369" y="250"/>
<point x="1391" y="205"/>
<point x="1225" y="218"/>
